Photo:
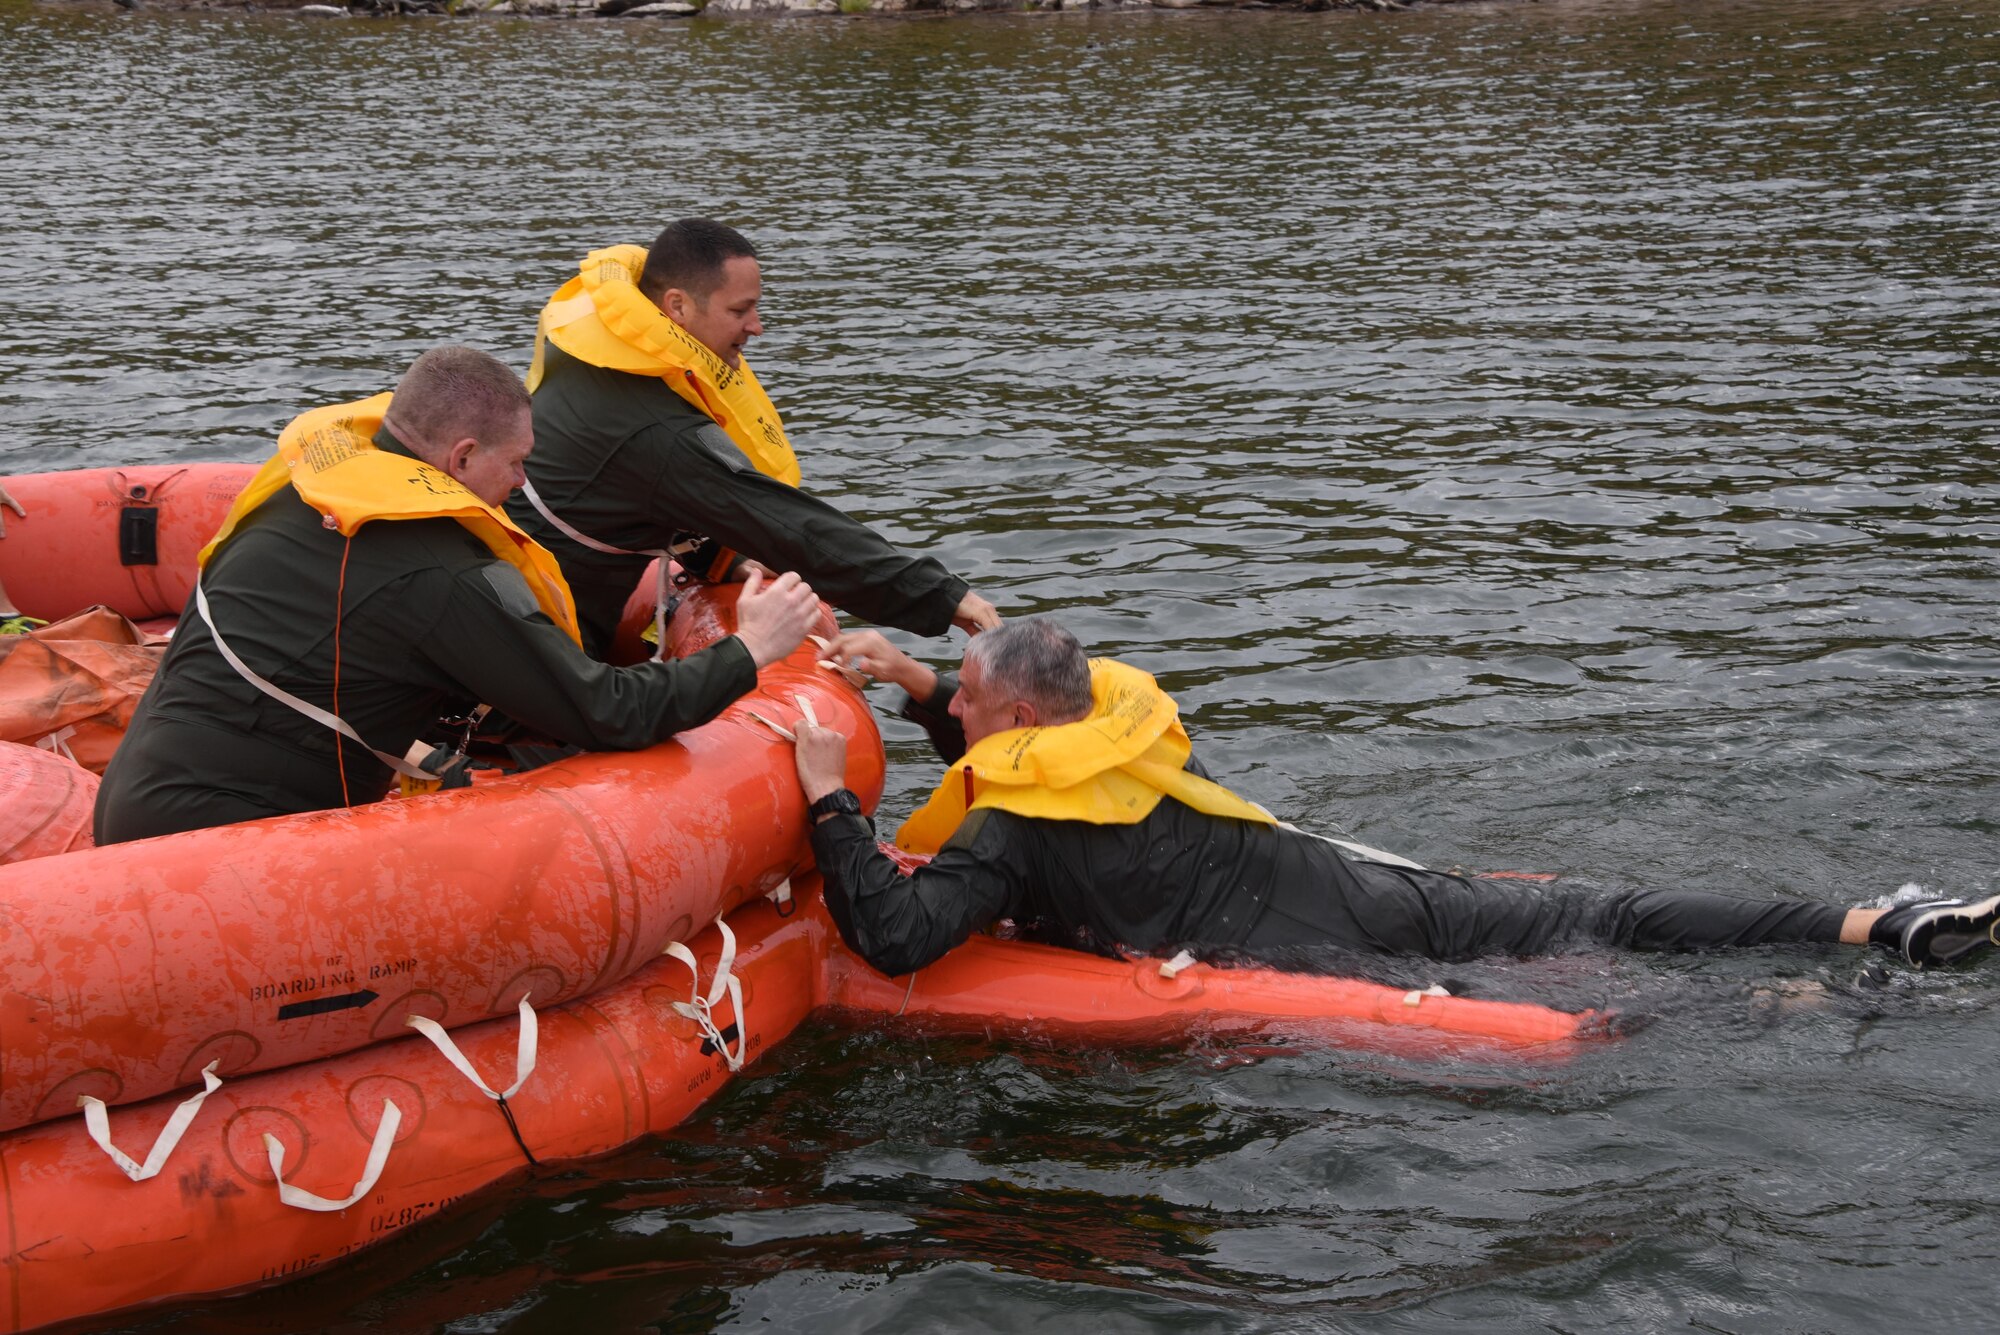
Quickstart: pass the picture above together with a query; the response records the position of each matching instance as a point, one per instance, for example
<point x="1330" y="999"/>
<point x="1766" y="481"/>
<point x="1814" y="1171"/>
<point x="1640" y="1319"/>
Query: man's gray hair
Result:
<point x="1036" y="660"/>
<point x="453" y="392"/>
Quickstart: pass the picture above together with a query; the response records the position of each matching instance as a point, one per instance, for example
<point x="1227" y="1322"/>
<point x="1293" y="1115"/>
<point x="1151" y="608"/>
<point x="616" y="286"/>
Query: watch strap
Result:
<point x="840" y="800"/>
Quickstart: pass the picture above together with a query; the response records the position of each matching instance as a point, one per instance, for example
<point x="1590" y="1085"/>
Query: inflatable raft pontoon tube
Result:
<point x="223" y="1213"/>
<point x="381" y="1139"/>
<point x="129" y="970"/>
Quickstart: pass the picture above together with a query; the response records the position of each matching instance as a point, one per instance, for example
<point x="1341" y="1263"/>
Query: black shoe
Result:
<point x="1944" y="931"/>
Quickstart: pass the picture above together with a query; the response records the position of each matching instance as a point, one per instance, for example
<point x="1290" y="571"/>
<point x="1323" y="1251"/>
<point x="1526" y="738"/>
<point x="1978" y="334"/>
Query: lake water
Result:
<point x="1557" y="436"/>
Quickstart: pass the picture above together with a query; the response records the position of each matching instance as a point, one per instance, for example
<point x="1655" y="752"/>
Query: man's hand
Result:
<point x="9" y="503"/>
<point x="822" y="759"/>
<point x="975" y="614"/>
<point x="869" y="651"/>
<point x="772" y="619"/>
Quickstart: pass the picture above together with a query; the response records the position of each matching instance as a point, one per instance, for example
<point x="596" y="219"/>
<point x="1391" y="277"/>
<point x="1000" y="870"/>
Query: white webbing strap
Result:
<point x="524" y="1052"/>
<point x="97" y="1121"/>
<point x="662" y="587"/>
<point x="324" y="718"/>
<point x="1172" y="968"/>
<point x="782" y="896"/>
<point x="58" y="742"/>
<point x="378" y="1155"/>
<point x="701" y="1009"/>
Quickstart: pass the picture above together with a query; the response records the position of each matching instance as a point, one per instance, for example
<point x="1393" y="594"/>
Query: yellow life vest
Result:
<point x="1111" y="767"/>
<point x="602" y="318"/>
<point x="329" y="457"/>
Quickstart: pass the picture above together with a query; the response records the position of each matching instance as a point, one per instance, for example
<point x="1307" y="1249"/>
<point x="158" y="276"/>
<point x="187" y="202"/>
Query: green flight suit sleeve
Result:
<point x="705" y="479"/>
<point x="901" y="923"/>
<point x="491" y="638"/>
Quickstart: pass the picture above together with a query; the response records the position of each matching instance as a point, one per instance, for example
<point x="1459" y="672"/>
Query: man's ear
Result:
<point x="458" y="455"/>
<point x="677" y="305"/>
<point x="1024" y="714"/>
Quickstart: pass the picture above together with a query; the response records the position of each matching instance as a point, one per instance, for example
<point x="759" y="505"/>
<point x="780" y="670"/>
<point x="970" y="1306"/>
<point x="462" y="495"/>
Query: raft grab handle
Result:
<point x="378" y="1155"/>
<point x="97" y="1121"/>
<point x="524" y="1052"/>
<point x="701" y="1009"/>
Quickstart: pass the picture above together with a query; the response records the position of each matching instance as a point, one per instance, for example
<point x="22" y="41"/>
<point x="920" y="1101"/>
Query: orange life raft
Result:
<point x="630" y="1061"/>
<point x="565" y="882"/>
<point x="131" y="969"/>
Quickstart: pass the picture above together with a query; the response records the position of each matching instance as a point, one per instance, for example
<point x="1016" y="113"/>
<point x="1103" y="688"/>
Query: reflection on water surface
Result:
<point x="1557" y="436"/>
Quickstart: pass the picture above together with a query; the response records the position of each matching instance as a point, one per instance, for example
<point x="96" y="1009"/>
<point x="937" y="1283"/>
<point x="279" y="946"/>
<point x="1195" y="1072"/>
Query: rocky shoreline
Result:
<point x="679" y="9"/>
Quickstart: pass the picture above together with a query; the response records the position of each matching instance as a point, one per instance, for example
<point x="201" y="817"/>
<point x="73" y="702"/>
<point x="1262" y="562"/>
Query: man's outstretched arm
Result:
<point x="706" y="483"/>
<point x="900" y="923"/>
<point x="929" y="692"/>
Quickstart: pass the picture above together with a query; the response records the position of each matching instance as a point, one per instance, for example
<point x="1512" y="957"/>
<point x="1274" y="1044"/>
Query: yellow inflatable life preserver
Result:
<point x="1109" y="768"/>
<point x="329" y="457"/>
<point x="602" y="318"/>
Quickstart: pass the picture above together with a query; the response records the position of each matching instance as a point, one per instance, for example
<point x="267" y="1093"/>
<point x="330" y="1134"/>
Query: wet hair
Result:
<point x="1036" y="660"/>
<point x="689" y="255"/>
<point x="452" y="392"/>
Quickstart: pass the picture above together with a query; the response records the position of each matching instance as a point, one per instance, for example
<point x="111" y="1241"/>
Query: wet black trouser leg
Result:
<point x="1413" y="912"/>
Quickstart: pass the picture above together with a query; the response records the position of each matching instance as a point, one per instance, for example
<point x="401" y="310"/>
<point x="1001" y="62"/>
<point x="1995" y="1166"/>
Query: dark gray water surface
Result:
<point x="1560" y="436"/>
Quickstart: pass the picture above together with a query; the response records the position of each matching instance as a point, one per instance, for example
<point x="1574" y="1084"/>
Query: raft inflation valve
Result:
<point x="98" y="1122"/>
<point x="378" y="1155"/>
<point x="701" y="1009"/>
<point x="524" y="1063"/>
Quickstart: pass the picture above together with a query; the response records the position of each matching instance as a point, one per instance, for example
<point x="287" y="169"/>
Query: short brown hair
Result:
<point x="689" y="255"/>
<point x="455" y="391"/>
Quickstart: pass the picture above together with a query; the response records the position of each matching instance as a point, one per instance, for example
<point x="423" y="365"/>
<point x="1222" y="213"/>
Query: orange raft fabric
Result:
<point x="81" y="1239"/>
<point x="72" y="550"/>
<point x="78" y="679"/>
<point x="297" y="937"/>
<point x="45" y="803"/>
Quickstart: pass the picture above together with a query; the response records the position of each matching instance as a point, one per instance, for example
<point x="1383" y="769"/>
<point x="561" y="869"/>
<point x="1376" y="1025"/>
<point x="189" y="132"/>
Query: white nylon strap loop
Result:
<point x="524" y="1052"/>
<point x="805" y="705"/>
<point x="378" y="1155"/>
<point x="1172" y="968"/>
<point x="701" y="1009"/>
<point x="98" y="1122"/>
<point x="783" y="894"/>
<point x="661" y="585"/>
<point x="285" y="697"/>
<point x="778" y="728"/>
<point x="58" y="742"/>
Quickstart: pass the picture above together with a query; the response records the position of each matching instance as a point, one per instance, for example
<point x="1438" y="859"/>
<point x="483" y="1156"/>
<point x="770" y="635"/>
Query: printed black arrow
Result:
<point x="347" y="1001"/>
<point x="708" y="1044"/>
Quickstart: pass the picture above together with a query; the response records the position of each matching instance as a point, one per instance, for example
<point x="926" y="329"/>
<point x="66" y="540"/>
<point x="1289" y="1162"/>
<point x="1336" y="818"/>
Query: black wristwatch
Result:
<point x="839" y="800"/>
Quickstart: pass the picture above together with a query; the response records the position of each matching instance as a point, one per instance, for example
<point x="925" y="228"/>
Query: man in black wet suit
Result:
<point x="430" y="606"/>
<point x="652" y="434"/>
<point x="1177" y="876"/>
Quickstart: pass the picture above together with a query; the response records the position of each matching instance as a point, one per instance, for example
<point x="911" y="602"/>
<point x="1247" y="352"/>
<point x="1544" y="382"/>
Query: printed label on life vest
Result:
<point x="332" y="444"/>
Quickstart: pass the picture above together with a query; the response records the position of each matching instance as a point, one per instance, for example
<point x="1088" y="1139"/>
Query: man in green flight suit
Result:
<point x="366" y="582"/>
<point x="651" y="432"/>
